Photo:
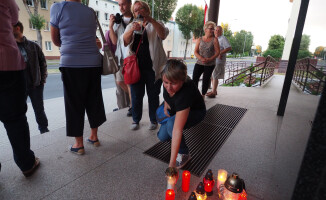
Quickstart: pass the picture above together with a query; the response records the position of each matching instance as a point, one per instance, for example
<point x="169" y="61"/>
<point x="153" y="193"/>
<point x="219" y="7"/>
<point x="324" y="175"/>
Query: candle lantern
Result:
<point x="209" y="183"/>
<point x="169" y="194"/>
<point x="243" y="195"/>
<point x="172" y="176"/>
<point x="200" y="192"/>
<point x="192" y="196"/>
<point x="185" y="180"/>
<point x="221" y="177"/>
<point x="232" y="188"/>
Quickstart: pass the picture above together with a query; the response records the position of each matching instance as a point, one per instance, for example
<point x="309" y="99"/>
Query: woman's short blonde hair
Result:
<point x="175" y="70"/>
<point x="209" y="23"/>
<point x="143" y="4"/>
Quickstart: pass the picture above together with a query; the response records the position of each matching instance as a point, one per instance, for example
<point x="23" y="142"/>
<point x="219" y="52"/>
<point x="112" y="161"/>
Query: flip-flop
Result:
<point x="79" y="150"/>
<point x="96" y="143"/>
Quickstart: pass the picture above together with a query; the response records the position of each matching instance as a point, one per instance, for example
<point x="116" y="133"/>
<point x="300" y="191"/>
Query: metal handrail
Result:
<point x="308" y="77"/>
<point x="265" y="69"/>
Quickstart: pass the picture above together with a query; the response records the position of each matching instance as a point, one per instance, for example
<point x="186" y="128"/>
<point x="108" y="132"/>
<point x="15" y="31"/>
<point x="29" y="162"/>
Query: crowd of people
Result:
<point x="23" y="73"/>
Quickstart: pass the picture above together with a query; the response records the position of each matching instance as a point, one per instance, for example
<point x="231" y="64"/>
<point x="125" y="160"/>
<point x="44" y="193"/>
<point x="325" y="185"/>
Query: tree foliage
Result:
<point x="163" y="9"/>
<point x="37" y="20"/>
<point x="276" y="42"/>
<point x="303" y="53"/>
<point x="226" y="31"/>
<point x="320" y="52"/>
<point x="258" y="49"/>
<point x="241" y="42"/>
<point x="275" y="53"/>
<point x="305" y="42"/>
<point x="189" y="19"/>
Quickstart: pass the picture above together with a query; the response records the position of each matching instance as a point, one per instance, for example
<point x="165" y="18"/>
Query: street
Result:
<point x="54" y="88"/>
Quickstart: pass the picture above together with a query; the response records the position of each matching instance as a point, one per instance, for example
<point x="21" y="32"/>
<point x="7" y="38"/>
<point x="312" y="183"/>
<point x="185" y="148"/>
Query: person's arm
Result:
<point x="42" y="64"/>
<point x="199" y="57"/>
<point x="160" y="29"/>
<point x="179" y="123"/>
<point x="129" y="32"/>
<point x="224" y="51"/>
<point x="55" y="36"/>
<point x="166" y="108"/>
<point x="113" y="35"/>
<point x="98" y="43"/>
<point x="217" y="51"/>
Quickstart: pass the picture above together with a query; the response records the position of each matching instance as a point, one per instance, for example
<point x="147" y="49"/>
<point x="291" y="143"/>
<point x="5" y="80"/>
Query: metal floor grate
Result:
<point x="204" y="139"/>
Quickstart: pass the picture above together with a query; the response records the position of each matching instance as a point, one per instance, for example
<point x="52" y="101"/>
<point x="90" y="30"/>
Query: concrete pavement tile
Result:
<point x="59" y="167"/>
<point x="131" y="175"/>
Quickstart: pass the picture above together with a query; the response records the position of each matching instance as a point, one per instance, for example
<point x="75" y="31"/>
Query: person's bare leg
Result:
<point x="215" y="84"/>
<point x="93" y="135"/>
<point x="129" y="95"/>
<point x="79" y="142"/>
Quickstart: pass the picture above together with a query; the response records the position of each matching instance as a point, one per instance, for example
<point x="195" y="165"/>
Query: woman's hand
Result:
<point x="136" y="26"/>
<point x="166" y="108"/>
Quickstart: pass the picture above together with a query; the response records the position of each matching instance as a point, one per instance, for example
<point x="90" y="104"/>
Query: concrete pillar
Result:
<point x="291" y="29"/>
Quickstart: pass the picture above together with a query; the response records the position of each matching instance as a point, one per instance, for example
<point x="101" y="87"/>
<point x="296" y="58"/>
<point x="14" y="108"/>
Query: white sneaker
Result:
<point x="152" y="126"/>
<point x="182" y="160"/>
<point x="134" y="126"/>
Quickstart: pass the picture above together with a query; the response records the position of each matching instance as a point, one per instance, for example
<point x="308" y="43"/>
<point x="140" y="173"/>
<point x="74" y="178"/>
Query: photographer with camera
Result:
<point x="117" y="25"/>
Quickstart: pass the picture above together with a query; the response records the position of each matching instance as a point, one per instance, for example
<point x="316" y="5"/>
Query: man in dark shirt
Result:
<point x="36" y="74"/>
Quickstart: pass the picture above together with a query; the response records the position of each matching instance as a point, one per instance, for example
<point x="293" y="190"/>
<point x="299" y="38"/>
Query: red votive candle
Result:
<point x="169" y="194"/>
<point x="208" y="186"/>
<point x="185" y="180"/>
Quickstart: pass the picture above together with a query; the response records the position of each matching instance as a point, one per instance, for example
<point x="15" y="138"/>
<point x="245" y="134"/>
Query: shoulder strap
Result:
<point x="99" y="26"/>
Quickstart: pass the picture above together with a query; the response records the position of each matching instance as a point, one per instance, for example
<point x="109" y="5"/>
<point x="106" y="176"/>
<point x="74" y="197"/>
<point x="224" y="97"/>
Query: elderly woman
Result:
<point x="207" y="49"/>
<point x="151" y="58"/>
<point x="80" y="66"/>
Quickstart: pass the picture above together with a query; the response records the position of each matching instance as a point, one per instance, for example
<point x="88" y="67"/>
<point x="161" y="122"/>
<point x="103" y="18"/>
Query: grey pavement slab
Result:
<point x="265" y="149"/>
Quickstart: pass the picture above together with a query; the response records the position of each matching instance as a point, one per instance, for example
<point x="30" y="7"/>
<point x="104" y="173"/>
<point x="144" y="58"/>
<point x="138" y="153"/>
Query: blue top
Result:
<point x="77" y="25"/>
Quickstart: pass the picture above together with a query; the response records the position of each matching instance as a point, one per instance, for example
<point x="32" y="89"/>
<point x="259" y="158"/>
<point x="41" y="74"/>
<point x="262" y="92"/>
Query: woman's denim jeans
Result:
<point x="166" y="129"/>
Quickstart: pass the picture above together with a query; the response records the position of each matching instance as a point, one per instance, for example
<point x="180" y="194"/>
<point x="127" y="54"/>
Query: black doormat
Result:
<point x="204" y="139"/>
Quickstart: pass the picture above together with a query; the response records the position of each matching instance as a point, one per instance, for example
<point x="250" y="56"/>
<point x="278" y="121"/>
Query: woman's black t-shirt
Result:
<point x="187" y="96"/>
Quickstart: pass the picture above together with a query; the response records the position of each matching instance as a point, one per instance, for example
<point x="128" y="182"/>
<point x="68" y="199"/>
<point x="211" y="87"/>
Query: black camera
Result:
<point x="118" y="18"/>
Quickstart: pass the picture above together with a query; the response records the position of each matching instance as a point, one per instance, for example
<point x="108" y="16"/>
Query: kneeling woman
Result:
<point x="186" y="107"/>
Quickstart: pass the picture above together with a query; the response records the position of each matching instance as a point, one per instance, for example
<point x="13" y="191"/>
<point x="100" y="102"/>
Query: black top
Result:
<point x="187" y="96"/>
<point x="143" y="55"/>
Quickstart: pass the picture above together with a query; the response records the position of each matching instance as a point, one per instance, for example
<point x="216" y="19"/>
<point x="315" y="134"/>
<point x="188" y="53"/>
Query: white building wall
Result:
<point x="291" y="29"/>
<point x="179" y="44"/>
<point x="104" y="8"/>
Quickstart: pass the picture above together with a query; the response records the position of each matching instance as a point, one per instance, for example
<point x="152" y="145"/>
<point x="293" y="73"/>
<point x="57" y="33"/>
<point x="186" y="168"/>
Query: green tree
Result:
<point x="199" y="14"/>
<point x="276" y="42"/>
<point x="305" y="42"/>
<point x="303" y="53"/>
<point x="241" y="42"/>
<point x="188" y="20"/>
<point x="36" y="19"/>
<point x="226" y="30"/>
<point x="163" y="9"/>
<point x="275" y="53"/>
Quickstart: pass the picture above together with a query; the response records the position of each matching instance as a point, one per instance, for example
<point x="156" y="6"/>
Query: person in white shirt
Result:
<point x="117" y="27"/>
<point x="220" y="61"/>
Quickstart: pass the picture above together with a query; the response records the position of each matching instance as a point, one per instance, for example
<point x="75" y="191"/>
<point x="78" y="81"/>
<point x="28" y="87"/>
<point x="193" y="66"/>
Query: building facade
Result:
<point x="49" y="49"/>
<point x="174" y="45"/>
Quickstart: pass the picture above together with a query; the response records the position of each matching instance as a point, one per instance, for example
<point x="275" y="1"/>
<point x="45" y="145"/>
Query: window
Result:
<point x="48" y="45"/>
<point x="44" y="4"/>
<point x="106" y="16"/>
<point x="31" y="25"/>
<point x="47" y="26"/>
<point x="97" y="14"/>
<point x="30" y="2"/>
<point x="96" y="2"/>
<point x="113" y="7"/>
<point x="106" y="5"/>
